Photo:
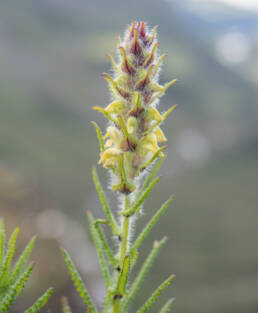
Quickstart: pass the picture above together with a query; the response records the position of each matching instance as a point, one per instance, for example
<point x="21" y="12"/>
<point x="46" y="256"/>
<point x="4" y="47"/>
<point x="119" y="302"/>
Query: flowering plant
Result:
<point x="130" y="151"/>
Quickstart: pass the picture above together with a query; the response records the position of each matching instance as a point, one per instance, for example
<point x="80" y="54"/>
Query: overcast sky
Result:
<point x="244" y="4"/>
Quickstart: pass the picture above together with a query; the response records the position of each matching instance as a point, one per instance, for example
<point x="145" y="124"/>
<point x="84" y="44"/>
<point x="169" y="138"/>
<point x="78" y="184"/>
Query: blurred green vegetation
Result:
<point x="52" y="54"/>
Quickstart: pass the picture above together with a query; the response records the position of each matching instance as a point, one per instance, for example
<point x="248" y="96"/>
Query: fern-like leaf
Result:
<point x="13" y="291"/>
<point x="153" y="298"/>
<point x="12" y="284"/>
<point x="103" y="200"/>
<point x="76" y="278"/>
<point x="151" y="175"/>
<point x="106" y="248"/>
<point x="143" y="272"/>
<point x="21" y="262"/>
<point x="136" y="206"/>
<point x="100" y="252"/>
<point x="41" y="302"/>
<point x="9" y="256"/>
<point x="150" y="225"/>
<point x="167" y="306"/>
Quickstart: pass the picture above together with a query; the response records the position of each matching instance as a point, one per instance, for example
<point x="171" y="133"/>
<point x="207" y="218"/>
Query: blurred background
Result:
<point x="52" y="54"/>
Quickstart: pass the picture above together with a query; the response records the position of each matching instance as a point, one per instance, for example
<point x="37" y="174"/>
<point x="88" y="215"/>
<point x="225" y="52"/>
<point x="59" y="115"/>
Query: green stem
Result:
<point x="125" y="231"/>
<point x="123" y="251"/>
<point x="116" y="308"/>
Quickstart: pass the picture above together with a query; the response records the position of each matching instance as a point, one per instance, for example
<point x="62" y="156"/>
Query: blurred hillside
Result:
<point x="52" y="54"/>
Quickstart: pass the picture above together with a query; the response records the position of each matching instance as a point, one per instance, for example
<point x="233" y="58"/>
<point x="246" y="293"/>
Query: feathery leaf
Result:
<point x="153" y="298"/>
<point x="106" y="248"/>
<point x="143" y="272"/>
<point x="13" y="291"/>
<point x="35" y="308"/>
<point x="136" y="207"/>
<point x="167" y="306"/>
<point x="105" y="206"/>
<point x="152" y="159"/>
<point x="21" y="262"/>
<point x="9" y="256"/>
<point x="100" y="252"/>
<point x="150" y="225"/>
<point x="76" y="278"/>
<point x="152" y="173"/>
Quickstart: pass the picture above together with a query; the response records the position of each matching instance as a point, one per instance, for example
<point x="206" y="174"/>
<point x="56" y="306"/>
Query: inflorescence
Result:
<point x="132" y="139"/>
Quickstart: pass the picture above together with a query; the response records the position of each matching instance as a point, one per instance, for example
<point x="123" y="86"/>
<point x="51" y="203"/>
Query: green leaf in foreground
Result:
<point x="76" y="278"/>
<point x="12" y="282"/>
<point x="40" y="303"/>
<point x="153" y="298"/>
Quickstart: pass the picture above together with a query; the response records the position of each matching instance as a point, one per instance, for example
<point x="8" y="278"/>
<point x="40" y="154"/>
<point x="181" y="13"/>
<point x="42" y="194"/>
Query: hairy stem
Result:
<point x="125" y="227"/>
<point x="124" y="232"/>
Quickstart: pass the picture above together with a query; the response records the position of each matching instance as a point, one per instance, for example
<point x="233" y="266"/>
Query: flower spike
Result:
<point x="136" y="120"/>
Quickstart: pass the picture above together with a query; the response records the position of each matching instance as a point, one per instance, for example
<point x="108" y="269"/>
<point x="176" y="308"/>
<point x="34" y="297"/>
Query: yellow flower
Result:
<point x="131" y="125"/>
<point x="115" y="107"/>
<point x="160" y="135"/>
<point x="153" y="114"/>
<point x="110" y="158"/>
<point x="149" y="143"/>
<point x="114" y="135"/>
